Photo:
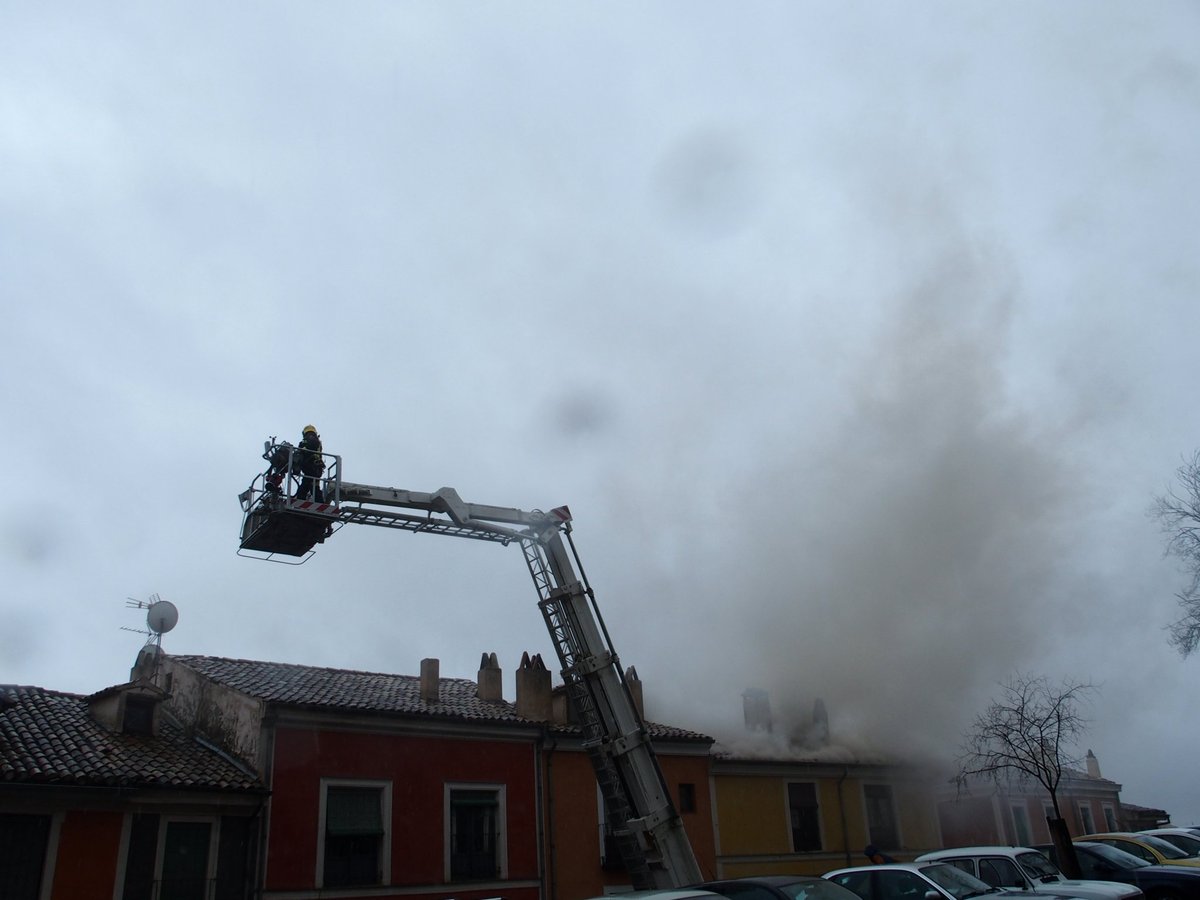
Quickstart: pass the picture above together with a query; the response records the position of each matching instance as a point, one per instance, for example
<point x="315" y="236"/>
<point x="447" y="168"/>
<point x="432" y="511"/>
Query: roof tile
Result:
<point x="343" y="690"/>
<point x="48" y="737"/>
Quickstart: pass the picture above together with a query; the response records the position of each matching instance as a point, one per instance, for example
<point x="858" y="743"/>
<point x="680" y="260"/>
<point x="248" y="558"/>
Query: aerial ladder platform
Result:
<point x="647" y="829"/>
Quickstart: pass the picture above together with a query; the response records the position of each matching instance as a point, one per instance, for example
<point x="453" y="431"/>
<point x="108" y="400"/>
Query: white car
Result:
<point x="1025" y="869"/>
<point x="921" y="881"/>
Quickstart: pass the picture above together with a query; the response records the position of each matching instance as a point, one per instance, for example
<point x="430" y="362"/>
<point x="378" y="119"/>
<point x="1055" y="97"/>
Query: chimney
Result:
<point x="430" y="680"/>
<point x="635" y="690"/>
<point x="1093" y="765"/>
<point x="756" y="708"/>
<point x="491" y="686"/>
<point x="533" y="688"/>
<point x="561" y="709"/>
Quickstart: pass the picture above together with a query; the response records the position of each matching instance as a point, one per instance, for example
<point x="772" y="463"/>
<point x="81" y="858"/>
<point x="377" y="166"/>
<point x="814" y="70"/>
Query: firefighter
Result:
<point x="877" y="856"/>
<point x="312" y="465"/>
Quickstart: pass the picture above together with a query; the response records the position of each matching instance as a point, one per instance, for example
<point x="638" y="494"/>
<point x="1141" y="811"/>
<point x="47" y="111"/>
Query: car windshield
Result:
<point x="1165" y="848"/>
<point x="816" y="889"/>
<point x="955" y="881"/>
<point x="1185" y="842"/>
<point x="1037" y="865"/>
<point x="1118" y="858"/>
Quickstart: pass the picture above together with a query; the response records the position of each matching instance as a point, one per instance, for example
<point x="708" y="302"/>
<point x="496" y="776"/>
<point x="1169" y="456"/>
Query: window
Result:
<point x="354" y="847"/>
<point x="1000" y="872"/>
<point x="475" y="837"/>
<point x="1110" y="818"/>
<point x="896" y="884"/>
<point x="170" y="858"/>
<point x="23" y="840"/>
<point x="805" y="816"/>
<point x="138" y="715"/>
<point x="881" y="815"/>
<point x="1132" y="847"/>
<point x="1085" y="819"/>
<point x="735" y="891"/>
<point x="186" y="860"/>
<point x="1022" y="834"/>
<point x="687" y="798"/>
<point x="858" y="880"/>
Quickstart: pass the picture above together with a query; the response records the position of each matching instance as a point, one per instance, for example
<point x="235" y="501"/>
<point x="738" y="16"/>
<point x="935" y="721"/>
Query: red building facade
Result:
<point x="425" y="811"/>
<point x="424" y="787"/>
<point x="104" y="797"/>
<point x="216" y="779"/>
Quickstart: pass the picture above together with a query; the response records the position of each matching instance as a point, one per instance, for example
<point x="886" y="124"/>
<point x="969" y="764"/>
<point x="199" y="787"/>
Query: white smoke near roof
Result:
<point x="909" y="557"/>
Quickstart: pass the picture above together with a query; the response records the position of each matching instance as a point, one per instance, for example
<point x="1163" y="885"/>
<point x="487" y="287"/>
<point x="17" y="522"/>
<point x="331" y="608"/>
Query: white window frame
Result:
<point x="1111" y="822"/>
<point x="214" y="841"/>
<point x="787" y="815"/>
<point x="501" y="791"/>
<point x="385" y="803"/>
<point x="1020" y="819"/>
<point x="1086" y="820"/>
<point x="867" y="815"/>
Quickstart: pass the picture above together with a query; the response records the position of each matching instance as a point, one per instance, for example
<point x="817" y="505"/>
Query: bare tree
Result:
<point x="1178" y="512"/>
<point x="1028" y="732"/>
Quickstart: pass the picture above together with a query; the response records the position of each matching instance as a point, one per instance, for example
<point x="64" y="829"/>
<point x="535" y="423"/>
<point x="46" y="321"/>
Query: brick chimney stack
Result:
<point x="430" y="679"/>
<point x="533" y="688"/>
<point x="1093" y="765"/>
<point x="490" y="681"/>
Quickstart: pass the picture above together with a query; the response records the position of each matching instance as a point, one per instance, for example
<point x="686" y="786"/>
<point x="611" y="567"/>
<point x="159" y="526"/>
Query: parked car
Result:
<point x="919" y="881"/>
<point x="1157" y="882"/>
<point x="779" y="887"/>
<point x="1153" y="850"/>
<point x="664" y="894"/>
<point x="1186" y="839"/>
<point x="1023" y="868"/>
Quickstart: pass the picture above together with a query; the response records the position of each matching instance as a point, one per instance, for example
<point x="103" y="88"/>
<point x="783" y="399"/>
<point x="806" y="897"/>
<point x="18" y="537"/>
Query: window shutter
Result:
<point x="351" y="811"/>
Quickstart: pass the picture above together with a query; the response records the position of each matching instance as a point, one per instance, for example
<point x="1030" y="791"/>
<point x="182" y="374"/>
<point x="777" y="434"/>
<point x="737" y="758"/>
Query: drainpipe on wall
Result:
<point x="267" y="757"/>
<point x="842" y="812"/>
<point x="552" y="880"/>
<point x="260" y="825"/>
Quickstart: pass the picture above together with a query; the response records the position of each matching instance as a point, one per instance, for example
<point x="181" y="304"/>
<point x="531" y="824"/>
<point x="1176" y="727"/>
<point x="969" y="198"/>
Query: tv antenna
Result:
<point x="161" y="617"/>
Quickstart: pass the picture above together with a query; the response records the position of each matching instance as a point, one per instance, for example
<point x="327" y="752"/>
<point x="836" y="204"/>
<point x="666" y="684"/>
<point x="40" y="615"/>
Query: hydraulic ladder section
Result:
<point x="646" y="826"/>
<point x="648" y="831"/>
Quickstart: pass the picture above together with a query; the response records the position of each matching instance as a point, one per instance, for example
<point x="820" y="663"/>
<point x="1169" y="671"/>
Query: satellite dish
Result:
<point x="162" y="616"/>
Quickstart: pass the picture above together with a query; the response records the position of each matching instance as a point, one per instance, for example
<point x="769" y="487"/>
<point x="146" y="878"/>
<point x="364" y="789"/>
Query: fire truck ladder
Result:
<point x="647" y="830"/>
<point x="644" y="824"/>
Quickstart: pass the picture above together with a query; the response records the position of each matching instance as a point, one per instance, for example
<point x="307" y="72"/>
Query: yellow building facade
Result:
<point x="795" y="816"/>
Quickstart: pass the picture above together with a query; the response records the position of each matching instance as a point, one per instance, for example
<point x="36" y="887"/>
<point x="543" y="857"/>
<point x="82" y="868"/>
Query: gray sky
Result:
<point x="855" y="335"/>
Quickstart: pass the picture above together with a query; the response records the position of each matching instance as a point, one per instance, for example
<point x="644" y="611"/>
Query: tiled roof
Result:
<point x="373" y="692"/>
<point x="48" y="737"/>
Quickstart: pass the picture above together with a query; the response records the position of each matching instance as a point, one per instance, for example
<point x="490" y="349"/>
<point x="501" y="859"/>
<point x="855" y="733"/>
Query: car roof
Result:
<point x="1110" y="834"/>
<point x="986" y="850"/>
<point x="1193" y="832"/>
<point x="763" y="879"/>
<point x="904" y="866"/>
<point x="663" y="894"/>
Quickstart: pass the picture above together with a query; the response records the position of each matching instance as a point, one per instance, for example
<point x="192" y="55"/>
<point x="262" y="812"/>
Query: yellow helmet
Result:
<point x="308" y="428"/>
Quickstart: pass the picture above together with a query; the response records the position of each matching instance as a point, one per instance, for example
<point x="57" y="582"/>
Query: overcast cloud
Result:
<point x="857" y="336"/>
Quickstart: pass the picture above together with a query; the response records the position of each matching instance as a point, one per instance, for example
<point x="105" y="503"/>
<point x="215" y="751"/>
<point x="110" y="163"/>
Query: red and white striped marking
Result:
<point x="562" y="513"/>
<point x="312" y="506"/>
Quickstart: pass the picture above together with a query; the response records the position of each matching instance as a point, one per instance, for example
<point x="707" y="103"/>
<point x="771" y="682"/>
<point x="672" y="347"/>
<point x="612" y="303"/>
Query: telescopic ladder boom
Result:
<point x="647" y="828"/>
